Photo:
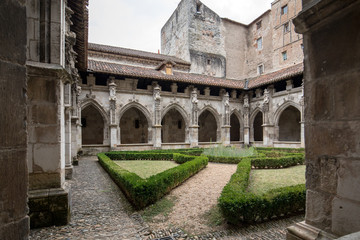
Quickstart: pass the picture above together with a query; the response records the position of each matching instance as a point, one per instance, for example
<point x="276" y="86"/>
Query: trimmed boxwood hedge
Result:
<point x="279" y="162"/>
<point x="143" y="192"/>
<point x="238" y="205"/>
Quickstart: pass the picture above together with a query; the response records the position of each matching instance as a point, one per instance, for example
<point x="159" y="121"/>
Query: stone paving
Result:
<point x="101" y="211"/>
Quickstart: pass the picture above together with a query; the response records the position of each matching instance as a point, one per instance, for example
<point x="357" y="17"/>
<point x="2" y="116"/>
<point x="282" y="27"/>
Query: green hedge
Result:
<point x="143" y="192"/>
<point x="238" y="205"/>
<point x="139" y="156"/>
<point x="279" y="162"/>
<point x="181" y="158"/>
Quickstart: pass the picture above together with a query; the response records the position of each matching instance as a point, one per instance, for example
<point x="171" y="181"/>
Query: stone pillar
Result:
<point x="332" y="111"/>
<point x="157" y="118"/>
<point x="68" y="158"/>
<point x="113" y="124"/>
<point x="225" y="128"/>
<point x="268" y="128"/>
<point x="246" y="114"/>
<point x="194" y="125"/>
<point x="14" y="222"/>
<point x="302" y="122"/>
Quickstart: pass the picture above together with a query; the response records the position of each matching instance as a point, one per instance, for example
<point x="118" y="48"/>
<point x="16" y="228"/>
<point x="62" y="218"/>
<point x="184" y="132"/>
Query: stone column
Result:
<point x="194" y="125"/>
<point x="113" y="124"/>
<point x="14" y="222"/>
<point x="75" y="124"/>
<point x="225" y="128"/>
<point x="68" y="158"/>
<point x="330" y="31"/>
<point x="157" y="118"/>
<point x="246" y="120"/>
<point x="302" y="122"/>
<point x="268" y="128"/>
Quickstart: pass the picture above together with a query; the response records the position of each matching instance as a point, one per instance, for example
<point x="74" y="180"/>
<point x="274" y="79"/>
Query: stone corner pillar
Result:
<point x="246" y="116"/>
<point x="225" y="135"/>
<point x="157" y="118"/>
<point x="157" y="136"/>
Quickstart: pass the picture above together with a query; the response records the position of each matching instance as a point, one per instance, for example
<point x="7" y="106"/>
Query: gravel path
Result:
<point x="195" y="197"/>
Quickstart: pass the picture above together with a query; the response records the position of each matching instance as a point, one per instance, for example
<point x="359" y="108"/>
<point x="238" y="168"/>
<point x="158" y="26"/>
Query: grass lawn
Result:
<point x="264" y="180"/>
<point x="146" y="169"/>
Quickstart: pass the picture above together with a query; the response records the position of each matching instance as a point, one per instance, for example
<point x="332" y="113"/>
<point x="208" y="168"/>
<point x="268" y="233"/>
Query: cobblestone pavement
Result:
<point x="99" y="208"/>
<point x="101" y="211"/>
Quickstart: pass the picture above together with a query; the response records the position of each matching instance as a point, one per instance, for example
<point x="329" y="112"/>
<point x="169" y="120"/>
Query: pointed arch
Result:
<point x="94" y="122"/>
<point x="256" y="122"/>
<point x="284" y="106"/>
<point x="97" y="106"/>
<point x="180" y="109"/>
<point x="138" y="106"/>
<point x="135" y="124"/>
<point x="174" y="122"/>
<point x="209" y="125"/>
<point x="236" y="126"/>
<point x="287" y="122"/>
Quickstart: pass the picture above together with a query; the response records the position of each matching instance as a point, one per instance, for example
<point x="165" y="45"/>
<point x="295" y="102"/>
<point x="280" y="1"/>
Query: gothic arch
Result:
<point x="180" y="109"/>
<point x="174" y="122"/>
<point x="284" y="106"/>
<point x="135" y="124"/>
<point x="138" y="106"/>
<point x="205" y="127"/>
<point x="256" y="131"/>
<point x="97" y="106"/>
<point x="239" y="132"/>
<point x="287" y="122"/>
<point x="95" y="125"/>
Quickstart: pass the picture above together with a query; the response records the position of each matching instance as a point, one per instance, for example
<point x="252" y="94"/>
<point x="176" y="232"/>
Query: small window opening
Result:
<point x="179" y="124"/>
<point x="261" y="69"/>
<point x="258" y="25"/>
<point x="198" y="8"/>
<point x="83" y="122"/>
<point x="137" y="123"/>
<point x="284" y="10"/>
<point x="208" y="61"/>
<point x="284" y="55"/>
<point x="302" y="46"/>
<point x="259" y="43"/>
<point x="286" y="27"/>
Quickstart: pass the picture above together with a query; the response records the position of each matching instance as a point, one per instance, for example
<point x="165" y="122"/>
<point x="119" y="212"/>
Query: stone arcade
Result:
<point x="219" y="82"/>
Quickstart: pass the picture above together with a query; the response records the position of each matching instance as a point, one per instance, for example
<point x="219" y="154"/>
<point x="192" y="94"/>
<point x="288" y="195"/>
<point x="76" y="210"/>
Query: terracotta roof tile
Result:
<point x="270" y="78"/>
<point x="134" y="53"/>
<point x="131" y="71"/>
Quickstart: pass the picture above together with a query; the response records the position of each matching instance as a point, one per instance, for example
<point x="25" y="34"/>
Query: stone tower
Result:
<point x="194" y="33"/>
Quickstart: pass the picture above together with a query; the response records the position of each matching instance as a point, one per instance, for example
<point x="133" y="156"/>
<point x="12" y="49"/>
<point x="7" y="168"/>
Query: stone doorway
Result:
<point x="257" y="126"/>
<point x="289" y="125"/>
<point x="207" y="127"/>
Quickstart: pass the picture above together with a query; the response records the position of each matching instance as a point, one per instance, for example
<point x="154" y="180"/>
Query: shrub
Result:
<point x="143" y="192"/>
<point x="238" y="205"/>
<point x="181" y="158"/>
<point x="279" y="162"/>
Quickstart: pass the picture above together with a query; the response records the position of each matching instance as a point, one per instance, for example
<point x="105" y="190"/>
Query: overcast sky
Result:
<point x="137" y="24"/>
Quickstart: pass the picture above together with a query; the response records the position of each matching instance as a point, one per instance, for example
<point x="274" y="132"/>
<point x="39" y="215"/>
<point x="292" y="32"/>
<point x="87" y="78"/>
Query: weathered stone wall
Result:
<point x="14" y="224"/>
<point x="332" y="114"/>
<point x="236" y="48"/>
<point x="175" y="34"/>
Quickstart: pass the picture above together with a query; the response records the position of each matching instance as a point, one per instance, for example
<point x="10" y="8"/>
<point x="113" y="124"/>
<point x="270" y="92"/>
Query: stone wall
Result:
<point x="14" y="223"/>
<point x="332" y="114"/>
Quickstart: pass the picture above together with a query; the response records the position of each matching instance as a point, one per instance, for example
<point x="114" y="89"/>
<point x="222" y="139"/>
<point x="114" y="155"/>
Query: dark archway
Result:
<point x="258" y="129"/>
<point x="173" y="127"/>
<point x="133" y="127"/>
<point x="92" y="126"/>
<point x="235" y="128"/>
<point x="207" y="127"/>
<point x="289" y="125"/>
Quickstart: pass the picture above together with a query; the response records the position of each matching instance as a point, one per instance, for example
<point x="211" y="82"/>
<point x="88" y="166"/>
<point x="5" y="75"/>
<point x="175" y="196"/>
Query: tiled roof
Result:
<point x="135" y="53"/>
<point x="140" y="72"/>
<point x="270" y="78"/>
